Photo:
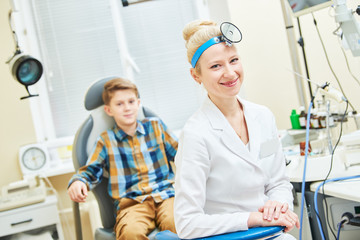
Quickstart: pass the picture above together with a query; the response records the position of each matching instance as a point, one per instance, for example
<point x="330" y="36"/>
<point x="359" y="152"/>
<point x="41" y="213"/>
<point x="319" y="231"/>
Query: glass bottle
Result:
<point x="302" y="117"/>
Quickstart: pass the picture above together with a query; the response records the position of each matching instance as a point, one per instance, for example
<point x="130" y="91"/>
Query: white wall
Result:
<point x="16" y="126"/>
<point x="266" y="57"/>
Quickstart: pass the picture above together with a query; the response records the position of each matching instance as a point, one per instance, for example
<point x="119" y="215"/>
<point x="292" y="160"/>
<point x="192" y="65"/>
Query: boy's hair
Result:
<point x="117" y="84"/>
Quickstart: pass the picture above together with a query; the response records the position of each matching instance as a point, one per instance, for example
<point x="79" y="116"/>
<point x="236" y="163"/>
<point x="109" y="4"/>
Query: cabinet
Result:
<point x="31" y="217"/>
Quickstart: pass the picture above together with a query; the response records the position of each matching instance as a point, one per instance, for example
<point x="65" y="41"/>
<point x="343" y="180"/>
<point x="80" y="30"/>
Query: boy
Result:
<point x="136" y="155"/>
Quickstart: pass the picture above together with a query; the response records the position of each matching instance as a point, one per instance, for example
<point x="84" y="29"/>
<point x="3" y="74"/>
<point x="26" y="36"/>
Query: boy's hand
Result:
<point x="78" y="191"/>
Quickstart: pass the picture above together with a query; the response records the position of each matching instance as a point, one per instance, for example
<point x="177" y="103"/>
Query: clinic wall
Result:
<point x="16" y="126"/>
<point x="265" y="55"/>
<point x="17" y="129"/>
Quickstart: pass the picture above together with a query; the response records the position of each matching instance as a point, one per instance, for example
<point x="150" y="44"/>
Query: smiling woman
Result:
<point x="227" y="134"/>
<point x="221" y="72"/>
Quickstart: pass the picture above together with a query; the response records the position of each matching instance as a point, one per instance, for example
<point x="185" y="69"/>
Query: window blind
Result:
<point x="156" y="44"/>
<point x="79" y="45"/>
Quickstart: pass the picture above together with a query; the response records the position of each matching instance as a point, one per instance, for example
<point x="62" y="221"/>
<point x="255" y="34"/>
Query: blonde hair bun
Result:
<point x="196" y="33"/>
<point x="192" y="27"/>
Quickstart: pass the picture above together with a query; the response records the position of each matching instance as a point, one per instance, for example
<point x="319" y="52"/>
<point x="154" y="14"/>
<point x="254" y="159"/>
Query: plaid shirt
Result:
<point x="138" y="166"/>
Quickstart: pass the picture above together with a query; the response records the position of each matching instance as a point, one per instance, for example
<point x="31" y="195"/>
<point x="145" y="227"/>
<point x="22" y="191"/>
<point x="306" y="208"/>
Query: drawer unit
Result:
<point x="31" y="217"/>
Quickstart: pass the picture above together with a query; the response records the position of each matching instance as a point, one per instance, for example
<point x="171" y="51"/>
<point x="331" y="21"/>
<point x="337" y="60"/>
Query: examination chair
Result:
<point x="84" y="141"/>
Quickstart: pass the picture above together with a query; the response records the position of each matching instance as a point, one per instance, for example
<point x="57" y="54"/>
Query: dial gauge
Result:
<point x="34" y="158"/>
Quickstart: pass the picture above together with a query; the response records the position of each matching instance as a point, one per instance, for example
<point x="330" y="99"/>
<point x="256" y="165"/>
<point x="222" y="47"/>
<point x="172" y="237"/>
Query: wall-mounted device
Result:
<point x="34" y="159"/>
<point x="126" y="3"/>
<point x="47" y="159"/>
<point x="350" y="27"/>
<point x="24" y="68"/>
<point x="302" y="7"/>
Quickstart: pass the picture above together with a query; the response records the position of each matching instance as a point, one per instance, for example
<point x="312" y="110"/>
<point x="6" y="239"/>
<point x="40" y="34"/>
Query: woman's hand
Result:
<point x="288" y="219"/>
<point x="272" y="210"/>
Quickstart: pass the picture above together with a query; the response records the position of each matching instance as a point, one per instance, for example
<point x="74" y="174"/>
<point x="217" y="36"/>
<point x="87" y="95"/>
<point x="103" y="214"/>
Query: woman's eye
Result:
<point x="215" y="66"/>
<point x="234" y="60"/>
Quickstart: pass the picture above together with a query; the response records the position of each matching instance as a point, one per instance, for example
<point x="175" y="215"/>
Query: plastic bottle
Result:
<point x="302" y="117"/>
<point x="294" y="118"/>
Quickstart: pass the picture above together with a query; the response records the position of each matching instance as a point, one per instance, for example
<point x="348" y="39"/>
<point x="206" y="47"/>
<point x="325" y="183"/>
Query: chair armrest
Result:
<point x="251" y="234"/>
<point x="77" y="221"/>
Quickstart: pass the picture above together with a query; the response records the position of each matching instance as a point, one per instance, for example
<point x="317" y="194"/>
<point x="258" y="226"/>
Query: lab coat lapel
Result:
<point x="254" y="129"/>
<point x="227" y="134"/>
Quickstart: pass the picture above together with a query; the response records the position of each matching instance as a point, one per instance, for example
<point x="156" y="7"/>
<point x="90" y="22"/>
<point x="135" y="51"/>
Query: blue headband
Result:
<point x="202" y="48"/>
<point x="230" y="34"/>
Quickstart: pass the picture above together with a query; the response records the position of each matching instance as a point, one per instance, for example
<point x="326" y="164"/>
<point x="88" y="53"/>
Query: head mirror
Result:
<point x="230" y="32"/>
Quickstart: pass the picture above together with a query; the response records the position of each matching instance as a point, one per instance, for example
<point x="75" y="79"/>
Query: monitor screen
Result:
<point x="301" y="7"/>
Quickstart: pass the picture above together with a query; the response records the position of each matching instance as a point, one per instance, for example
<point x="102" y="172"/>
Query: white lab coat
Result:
<point x="218" y="181"/>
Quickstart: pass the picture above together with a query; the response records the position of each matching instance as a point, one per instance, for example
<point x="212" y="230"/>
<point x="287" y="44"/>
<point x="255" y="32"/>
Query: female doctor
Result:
<point x="230" y="169"/>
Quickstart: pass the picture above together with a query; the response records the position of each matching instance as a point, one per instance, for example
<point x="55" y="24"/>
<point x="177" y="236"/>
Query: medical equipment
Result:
<point x="304" y="172"/>
<point x="350" y="152"/>
<point x="350" y="27"/>
<point x="126" y="3"/>
<point x="34" y="159"/>
<point x="348" y="22"/>
<point x="24" y="68"/>
<point x="22" y="193"/>
<point x="316" y="196"/>
<point x="301" y="7"/>
<point x="333" y="93"/>
<point x="327" y="90"/>
<point x="230" y="34"/>
<point x="338" y="96"/>
<point x="322" y="173"/>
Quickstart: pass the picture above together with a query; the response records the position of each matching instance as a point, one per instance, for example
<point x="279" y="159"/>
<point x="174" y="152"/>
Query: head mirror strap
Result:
<point x="203" y="47"/>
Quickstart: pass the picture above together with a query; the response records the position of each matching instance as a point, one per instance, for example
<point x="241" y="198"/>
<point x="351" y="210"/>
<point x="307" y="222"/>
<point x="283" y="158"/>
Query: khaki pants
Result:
<point x="136" y="220"/>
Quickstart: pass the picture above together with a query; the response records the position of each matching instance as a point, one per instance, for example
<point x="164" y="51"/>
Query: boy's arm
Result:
<point x="91" y="174"/>
<point x="170" y="141"/>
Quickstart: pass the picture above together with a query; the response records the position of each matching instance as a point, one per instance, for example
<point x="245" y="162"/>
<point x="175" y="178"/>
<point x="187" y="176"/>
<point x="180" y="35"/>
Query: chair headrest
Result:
<point x="93" y="96"/>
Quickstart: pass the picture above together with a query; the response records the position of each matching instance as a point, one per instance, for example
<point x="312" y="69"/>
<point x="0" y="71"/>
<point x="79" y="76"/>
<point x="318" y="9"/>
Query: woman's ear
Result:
<point x="194" y="75"/>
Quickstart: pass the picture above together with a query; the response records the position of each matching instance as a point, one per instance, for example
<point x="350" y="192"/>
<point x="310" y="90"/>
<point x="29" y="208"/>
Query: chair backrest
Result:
<point x="85" y="138"/>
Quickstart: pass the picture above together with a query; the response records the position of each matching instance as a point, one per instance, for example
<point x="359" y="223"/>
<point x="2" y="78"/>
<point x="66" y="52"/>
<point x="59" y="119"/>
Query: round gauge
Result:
<point x="34" y="158"/>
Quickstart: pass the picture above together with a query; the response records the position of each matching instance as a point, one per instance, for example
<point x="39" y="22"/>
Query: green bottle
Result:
<point x="294" y="118"/>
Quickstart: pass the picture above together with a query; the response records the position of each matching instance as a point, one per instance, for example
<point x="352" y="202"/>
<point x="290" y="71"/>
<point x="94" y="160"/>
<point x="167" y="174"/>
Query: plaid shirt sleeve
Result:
<point x="170" y="141"/>
<point x="91" y="173"/>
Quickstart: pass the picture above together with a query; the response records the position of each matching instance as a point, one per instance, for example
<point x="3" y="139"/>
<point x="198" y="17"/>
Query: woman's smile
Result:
<point x="230" y="83"/>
